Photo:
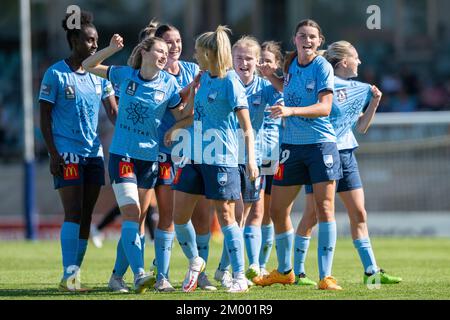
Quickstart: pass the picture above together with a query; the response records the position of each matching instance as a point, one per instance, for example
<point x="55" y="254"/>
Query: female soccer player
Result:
<point x="220" y="103"/>
<point x="184" y="72"/>
<point x="260" y="94"/>
<point x="349" y="99"/>
<point x="146" y="93"/>
<point x="308" y="155"/>
<point x="272" y="58"/>
<point x="69" y="105"/>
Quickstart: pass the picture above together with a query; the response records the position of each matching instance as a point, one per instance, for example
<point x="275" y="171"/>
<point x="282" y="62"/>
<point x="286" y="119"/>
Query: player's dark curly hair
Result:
<point x="86" y="20"/>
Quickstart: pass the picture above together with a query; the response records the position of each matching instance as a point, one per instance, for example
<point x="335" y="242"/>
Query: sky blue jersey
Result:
<point x="302" y="85"/>
<point x="215" y="122"/>
<point x="142" y="105"/>
<point x="76" y="99"/>
<point x="349" y="99"/>
<point x="261" y="95"/>
<point x="188" y="71"/>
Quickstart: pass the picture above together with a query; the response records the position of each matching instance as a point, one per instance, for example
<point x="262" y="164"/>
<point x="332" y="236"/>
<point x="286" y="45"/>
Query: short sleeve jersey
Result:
<point x="188" y="71"/>
<point x="302" y="85"/>
<point x="349" y="99"/>
<point x="141" y="107"/>
<point x="76" y="99"/>
<point x="215" y="120"/>
<point x="261" y="95"/>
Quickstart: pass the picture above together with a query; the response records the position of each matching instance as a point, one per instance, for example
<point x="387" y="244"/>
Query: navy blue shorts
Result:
<point x="80" y="170"/>
<point x="351" y="179"/>
<point x="308" y="164"/>
<point x="124" y="169"/>
<point x="215" y="182"/>
<point x="166" y="170"/>
<point x="249" y="189"/>
<point x="268" y="184"/>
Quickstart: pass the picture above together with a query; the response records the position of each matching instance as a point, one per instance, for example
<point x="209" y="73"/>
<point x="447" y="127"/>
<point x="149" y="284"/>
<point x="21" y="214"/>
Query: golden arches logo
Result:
<point x="71" y="172"/>
<point x="126" y="169"/>
<point x="164" y="170"/>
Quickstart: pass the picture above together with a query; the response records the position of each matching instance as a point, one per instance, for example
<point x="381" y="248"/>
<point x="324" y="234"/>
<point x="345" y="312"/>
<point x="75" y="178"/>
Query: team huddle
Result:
<point x="238" y="133"/>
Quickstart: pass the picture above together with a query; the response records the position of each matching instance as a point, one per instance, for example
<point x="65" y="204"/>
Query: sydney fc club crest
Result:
<point x="222" y="178"/>
<point x="328" y="160"/>
<point x="341" y="95"/>
<point x="310" y="85"/>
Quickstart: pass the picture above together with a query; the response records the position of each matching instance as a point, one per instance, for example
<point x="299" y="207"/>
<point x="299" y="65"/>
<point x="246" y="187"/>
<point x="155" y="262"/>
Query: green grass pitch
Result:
<point x="31" y="270"/>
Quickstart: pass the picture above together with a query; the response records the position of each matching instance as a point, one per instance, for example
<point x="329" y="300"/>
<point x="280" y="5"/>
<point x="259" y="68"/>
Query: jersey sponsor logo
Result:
<point x="280" y="173"/>
<point x="46" y="89"/>
<point x="158" y="96"/>
<point x="222" y="178"/>
<point x="126" y="169"/>
<point x="71" y="172"/>
<point x="131" y="88"/>
<point x="69" y="92"/>
<point x="165" y="170"/>
<point x="177" y="176"/>
<point x="341" y="95"/>
<point x="256" y="99"/>
<point x="310" y="85"/>
<point x="137" y="112"/>
<point x="328" y="160"/>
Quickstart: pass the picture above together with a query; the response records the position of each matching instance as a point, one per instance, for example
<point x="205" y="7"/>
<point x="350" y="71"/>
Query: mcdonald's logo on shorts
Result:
<point x="126" y="169"/>
<point x="71" y="172"/>
<point x="280" y="173"/>
<point x="177" y="176"/>
<point x="165" y="170"/>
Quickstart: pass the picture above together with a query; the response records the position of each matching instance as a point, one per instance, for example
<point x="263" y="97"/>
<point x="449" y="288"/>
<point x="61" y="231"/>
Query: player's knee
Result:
<point x="358" y="216"/>
<point x="126" y="194"/>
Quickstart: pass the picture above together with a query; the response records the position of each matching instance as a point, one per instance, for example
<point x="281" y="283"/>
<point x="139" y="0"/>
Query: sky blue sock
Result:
<point x="326" y="247"/>
<point x="300" y="251"/>
<point x="284" y="242"/>
<point x="203" y="245"/>
<point x="252" y="238"/>
<point x="186" y="238"/>
<point x="224" y="263"/>
<point x="142" y="237"/>
<point x="267" y="235"/>
<point x="235" y="246"/>
<point x="366" y="255"/>
<point x="70" y="233"/>
<point x="121" y="264"/>
<point x="82" y="246"/>
<point x="163" y="250"/>
<point x="131" y="242"/>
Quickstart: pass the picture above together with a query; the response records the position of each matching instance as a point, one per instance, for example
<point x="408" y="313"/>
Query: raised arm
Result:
<point x="93" y="63"/>
<point x="366" y="118"/>
<point x="269" y="72"/>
